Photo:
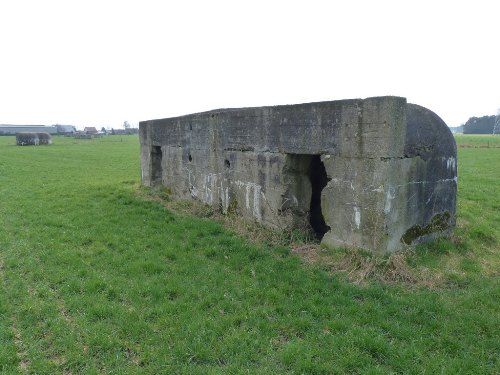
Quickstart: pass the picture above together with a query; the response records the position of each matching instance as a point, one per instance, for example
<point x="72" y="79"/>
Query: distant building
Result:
<point x="90" y="130"/>
<point x="125" y="131"/>
<point x="6" y="129"/>
<point x="65" y="129"/>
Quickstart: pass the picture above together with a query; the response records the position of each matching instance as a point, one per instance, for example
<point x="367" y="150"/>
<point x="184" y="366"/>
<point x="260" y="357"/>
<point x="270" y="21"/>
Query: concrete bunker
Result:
<point x="372" y="173"/>
<point x="33" y="139"/>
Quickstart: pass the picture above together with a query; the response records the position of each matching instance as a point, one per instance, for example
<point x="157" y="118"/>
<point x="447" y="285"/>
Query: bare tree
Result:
<point x="126" y="125"/>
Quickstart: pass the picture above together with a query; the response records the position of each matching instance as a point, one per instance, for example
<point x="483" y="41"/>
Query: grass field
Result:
<point x="97" y="278"/>
<point x="477" y="140"/>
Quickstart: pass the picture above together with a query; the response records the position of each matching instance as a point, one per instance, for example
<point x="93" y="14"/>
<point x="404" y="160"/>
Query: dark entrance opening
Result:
<point x="156" y="169"/>
<point x="319" y="179"/>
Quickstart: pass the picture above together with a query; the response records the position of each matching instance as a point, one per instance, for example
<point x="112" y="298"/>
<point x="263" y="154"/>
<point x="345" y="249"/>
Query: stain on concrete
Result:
<point x="439" y="222"/>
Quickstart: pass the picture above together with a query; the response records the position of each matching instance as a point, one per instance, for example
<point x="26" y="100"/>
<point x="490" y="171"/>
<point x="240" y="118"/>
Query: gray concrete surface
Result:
<point x="378" y="173"/>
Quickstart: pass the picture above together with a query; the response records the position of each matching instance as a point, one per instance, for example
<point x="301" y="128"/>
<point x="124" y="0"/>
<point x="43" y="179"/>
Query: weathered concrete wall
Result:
<point x="33" y="139"/>
<point x="378" y="173"/>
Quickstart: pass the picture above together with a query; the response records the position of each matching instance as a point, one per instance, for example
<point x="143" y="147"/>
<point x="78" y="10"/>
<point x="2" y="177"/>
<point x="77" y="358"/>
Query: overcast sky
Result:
<point x="99" y="63"/>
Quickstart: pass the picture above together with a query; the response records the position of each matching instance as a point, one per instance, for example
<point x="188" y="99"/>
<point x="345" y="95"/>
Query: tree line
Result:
<point x="483" y="125"/>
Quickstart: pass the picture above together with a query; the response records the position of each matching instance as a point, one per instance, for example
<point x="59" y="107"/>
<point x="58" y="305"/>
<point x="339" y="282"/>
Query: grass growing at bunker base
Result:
<point x="95" y="279"/>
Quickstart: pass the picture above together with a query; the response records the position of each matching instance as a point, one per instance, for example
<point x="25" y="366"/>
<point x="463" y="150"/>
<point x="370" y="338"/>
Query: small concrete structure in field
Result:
<point x="378" y="173"/>
<point x="33" y="139"/>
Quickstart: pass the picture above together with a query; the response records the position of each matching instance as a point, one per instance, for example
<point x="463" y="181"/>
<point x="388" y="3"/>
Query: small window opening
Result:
<point x="319" y="179"/>
<point x="156" y="167"/>
<point x="227" y="164"/>
<point x="190" y="158"/>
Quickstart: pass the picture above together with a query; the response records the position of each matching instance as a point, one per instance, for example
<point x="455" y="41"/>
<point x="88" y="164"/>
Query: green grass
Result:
<point x="477" y="140"/>
<point x="96" y="279"/>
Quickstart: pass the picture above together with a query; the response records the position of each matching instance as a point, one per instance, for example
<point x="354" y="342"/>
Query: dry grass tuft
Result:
<point x="396" y="269"/>
<point x="361" y="267"/>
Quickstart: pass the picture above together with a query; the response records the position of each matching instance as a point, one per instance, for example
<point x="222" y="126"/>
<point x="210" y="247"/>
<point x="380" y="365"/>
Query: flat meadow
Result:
<point x="99" y="275"/>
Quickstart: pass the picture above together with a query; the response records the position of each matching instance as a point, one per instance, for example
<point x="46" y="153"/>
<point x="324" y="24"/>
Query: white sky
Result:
<point x="99" y="63"/>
